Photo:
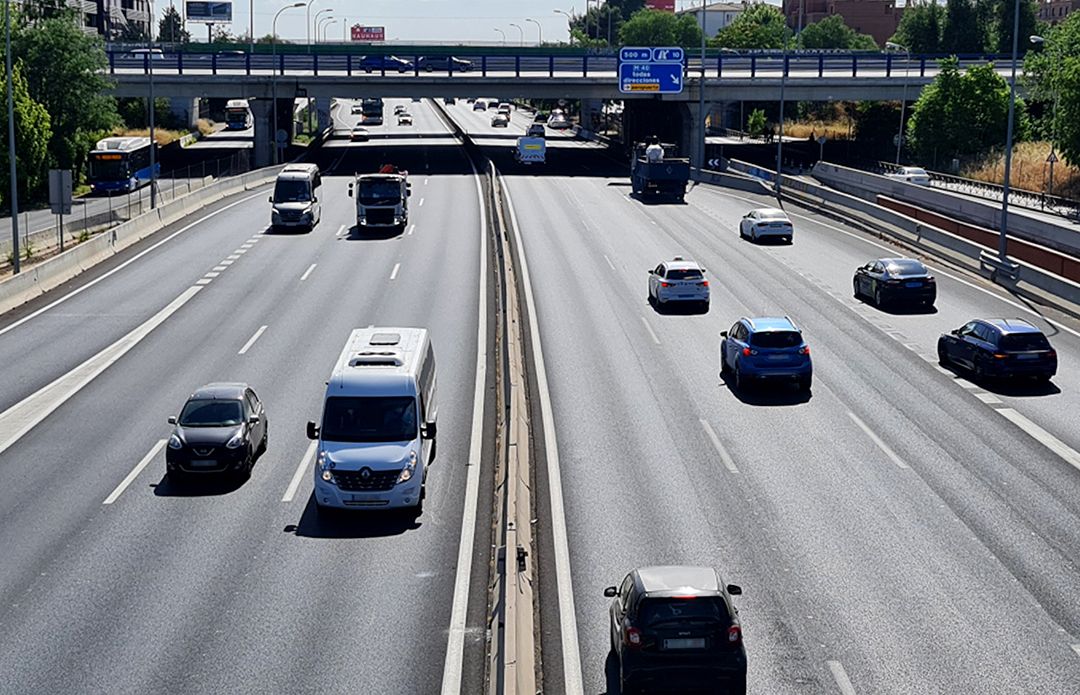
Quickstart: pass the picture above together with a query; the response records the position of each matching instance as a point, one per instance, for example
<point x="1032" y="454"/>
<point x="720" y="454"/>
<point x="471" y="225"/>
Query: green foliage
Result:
<point x="1067" y="129"/>
<point x="32" y="133"/>
<point x="832" y="32"/>
<point x="876" y="124"/>
<point x="171" y="27"/>
<point x="28" y="250"/>
<point x="962" y="33"/>
<point x="920" y="28"/>
<point x="1051" y="78"/>
<point x="657" y="28"/>
<point x="755" y="123"/>
<point x="133" y="113"/>
<point x="1001" y="32"/>
<point x="962" y="114"/>
<point x="759" y="26"/>
<point x="84" y="235"/>
<point x="591" y="28"/>
<point x="37" y="10"/>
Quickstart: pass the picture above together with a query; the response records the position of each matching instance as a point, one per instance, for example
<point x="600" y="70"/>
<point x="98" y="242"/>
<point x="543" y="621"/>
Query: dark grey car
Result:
<point x="221" y="429"/>
<point x="889" y="280"/>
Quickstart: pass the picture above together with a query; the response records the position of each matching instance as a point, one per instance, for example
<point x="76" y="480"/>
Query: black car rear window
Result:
<point x="1024" y="341"/>
<point x="683" y="274"/>
<point x="776" y="339"/>
<point x="657" y="611"/>
<point x="905" y="267"/>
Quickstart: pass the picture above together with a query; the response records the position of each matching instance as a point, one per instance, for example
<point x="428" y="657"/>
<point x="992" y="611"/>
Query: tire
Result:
<point x="725" y="370"/>
<point x="705" y="307"/>
<point x="736" y="686"/>
<point x="742" y="232"/>
<point x="855" y="289"/>
<point x="977" y="370"/>
<point x="740" y="383"/>
<point x="265" y="439"/>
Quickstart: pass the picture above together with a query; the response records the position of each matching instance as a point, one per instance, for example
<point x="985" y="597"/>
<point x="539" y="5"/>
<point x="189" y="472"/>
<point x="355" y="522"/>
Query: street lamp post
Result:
<point x="273" y="75"/>
<point x="11" y="142"/>
<point x="780" y="135"/>
<point x="890" y="46"/>
<point x="327" y="23"/>
<point x="1002" y="240"/>
<point x="319" y="17"/>
<point x="701" y="93"/>
<point x="539" y="31"/>
<point x="521" y="33"/>
<point x="150" y="75"/>
<point x="570" y="22"/>
<point x="251" y="25"/>
<point x="1040" y="41"/>
<point x="502" y="34"/>
<point x="308" y="22"/>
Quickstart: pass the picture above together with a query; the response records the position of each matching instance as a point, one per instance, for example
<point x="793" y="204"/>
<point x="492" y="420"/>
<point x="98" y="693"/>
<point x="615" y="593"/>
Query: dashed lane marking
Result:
<point x="610" y="264"/>
<point x="652" y="333"/>
<point x="878" y="441"/>
<point x="251" y="340"/>
<point x="840" y="676"/>
<point x="729" y="462"/>
<point x="150" y="456"/>
<point x="394" y="272"/>
<point x="308" y="272"/>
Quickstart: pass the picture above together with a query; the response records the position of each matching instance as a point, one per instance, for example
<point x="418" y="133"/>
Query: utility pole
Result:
<point x="11" y="142"/>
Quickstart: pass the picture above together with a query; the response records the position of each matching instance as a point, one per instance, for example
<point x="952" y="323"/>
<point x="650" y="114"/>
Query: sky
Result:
<point x="412" y="20"/>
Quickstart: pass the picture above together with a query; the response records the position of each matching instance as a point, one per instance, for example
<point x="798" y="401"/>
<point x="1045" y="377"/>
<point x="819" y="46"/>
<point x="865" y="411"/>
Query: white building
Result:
<point x="717" y="15"/>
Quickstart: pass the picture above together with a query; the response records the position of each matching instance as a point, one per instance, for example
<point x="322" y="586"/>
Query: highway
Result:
<point x="116" y="580"/>
<point x="900" y="530"/>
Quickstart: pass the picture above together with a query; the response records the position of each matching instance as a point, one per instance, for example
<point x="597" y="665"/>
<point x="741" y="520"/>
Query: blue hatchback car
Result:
<point x="765" y="348"/>
<point x="999" y="348"/>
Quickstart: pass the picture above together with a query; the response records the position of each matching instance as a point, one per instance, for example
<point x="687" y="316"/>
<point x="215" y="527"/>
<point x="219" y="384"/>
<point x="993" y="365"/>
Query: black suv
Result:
<point x="676" y="628"/>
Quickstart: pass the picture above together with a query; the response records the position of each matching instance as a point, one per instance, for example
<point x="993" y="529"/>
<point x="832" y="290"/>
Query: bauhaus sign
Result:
<point x="362" y="33"/>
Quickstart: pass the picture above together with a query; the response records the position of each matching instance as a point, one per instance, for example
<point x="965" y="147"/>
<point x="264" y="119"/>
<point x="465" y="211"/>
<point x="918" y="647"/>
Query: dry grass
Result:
<point x="802" y="130"/>
<point x="204" y="126"/>
<point x="1030" y="171"/>
<point x="163" y="136"/>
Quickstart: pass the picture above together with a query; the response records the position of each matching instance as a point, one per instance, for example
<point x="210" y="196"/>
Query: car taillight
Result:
<point x="734" y="634"/>
<point x="804" y="350"/>
<point x="1051" y="354"/>
<point x="1000" y="355"/>
<point x="704" y="283"/>
<point x="747" y="352"/>
<point x="632" y="637"/>
<point x="665" y="284"/>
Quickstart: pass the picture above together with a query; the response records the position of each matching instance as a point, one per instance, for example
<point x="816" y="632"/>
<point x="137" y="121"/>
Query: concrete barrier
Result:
<point x="721" y="178"/>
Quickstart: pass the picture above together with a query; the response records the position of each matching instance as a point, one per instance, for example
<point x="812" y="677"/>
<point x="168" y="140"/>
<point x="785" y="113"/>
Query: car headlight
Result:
<point x="175" y="442"/>
<point x="236" y="442"/>
<point x="409" y="469"/>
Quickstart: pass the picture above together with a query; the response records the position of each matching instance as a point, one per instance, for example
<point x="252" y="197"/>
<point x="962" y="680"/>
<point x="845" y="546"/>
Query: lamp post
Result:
<point x="521" y="33"/>
<point x="539" y="31"/>
<point x="1002" y="240"/>
<point x="890" y="46"/>
<point x="327" y="23"/>
<point x="308" y="22"/>
<point x="570" y="22"/>
<point x="251" y="25"/>
<point x="150" y="75"/>
<point x="701" y="93"/>
<point x="780" y="135"/>
<point x="1040" y="41"/>
<point x="273" y="75"/>
<point x="502" y="34"/>
<point x="318" y="18"/>
<point x="11" y="142"/>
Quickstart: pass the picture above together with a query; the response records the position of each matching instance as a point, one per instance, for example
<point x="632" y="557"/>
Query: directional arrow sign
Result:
<point x="664" y="78"/>
<point x="714" y="162"/>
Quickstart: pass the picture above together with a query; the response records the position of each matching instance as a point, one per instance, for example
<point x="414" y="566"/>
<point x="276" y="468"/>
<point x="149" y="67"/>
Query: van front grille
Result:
<point x="366" y="480"/>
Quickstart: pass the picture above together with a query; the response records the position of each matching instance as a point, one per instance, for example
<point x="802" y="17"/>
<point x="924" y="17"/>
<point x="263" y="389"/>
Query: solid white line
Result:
<point x="251" y="341"/>
<point x="412" y="228"/>
<point x="455" y="641"/>
<point x="840" y="676"/>
<point x="290" y="492"/>
<point x="571" y="650"/>
<point x="877" y="440"/>
<point x="115" y="494"/>
<point x="1070" y="455"/>
<point x="393" y="273"/>
<point x="610" y="264"/>
<point x="650" y="330"/>
<point x="724" y="455"/>
<point x="123" y="265"/>
<point x="30" y="411"/>
<point x="308" y="272"/>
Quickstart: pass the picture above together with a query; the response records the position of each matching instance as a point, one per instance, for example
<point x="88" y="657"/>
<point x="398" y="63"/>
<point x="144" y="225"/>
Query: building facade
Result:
<point x="1055" y="11"/>
<point x="878" y="18"/>
<point x="717" y="15"/>
<point x="113" y="18"/>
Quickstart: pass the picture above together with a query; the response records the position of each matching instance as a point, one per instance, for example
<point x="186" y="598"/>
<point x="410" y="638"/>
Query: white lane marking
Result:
<point x="251" y="340"/>
<point x="290" y="492"/>
<point x="235" y="257"/>
<point x="308" y="272"/>
<point x="988" y="398"/>
<point x="30" y="411"/>
<point x="840" y="676"/>
<point x="220" y="268"/>
<point x="610" y="264"/>
<point x="412" y="228"/>
<point x="729" y="462"/>
<point x="341" y="231"/>
<point x="571" y="649"/>
<point x="877" y="440"/>
<point x="1076" y="648"/>
<point x="425" y="180"/>
<point x="241" y="251"/>
<point x="227" y="263"/>
<point x="203" y="281"/>
<point x="1070" y="455"/>
<point x="211" y="275"/>
<point x="123" y="265"/>
<point x="115" y="494"/>
<point x="652" y="333"/>
<point x="967" y="385"/>
<point x="247" y="245"/>
<point x="394" y="272"/>
<point x="455" y="641"/>
<point x="421" y="202"/>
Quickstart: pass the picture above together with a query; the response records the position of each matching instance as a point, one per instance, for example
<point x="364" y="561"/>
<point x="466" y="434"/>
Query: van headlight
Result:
<point x="325" y="467"/>
<point x="409" y="469"/>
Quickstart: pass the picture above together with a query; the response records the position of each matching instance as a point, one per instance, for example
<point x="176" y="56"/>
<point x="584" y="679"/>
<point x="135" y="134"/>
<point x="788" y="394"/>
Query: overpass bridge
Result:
<point x="808" y="76"/>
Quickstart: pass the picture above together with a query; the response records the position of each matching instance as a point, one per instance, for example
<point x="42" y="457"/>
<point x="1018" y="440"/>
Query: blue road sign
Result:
<point x="667" y="55"/>
<point x="656" y="70"/>
<point x="635" y="55"/>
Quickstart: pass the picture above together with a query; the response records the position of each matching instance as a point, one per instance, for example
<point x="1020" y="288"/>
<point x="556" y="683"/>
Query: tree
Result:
<point x="658" y="28"/>
<point x="962" y="32"/>
<point x="755" y="123"/>
<point x="876" y="126"/>
<point x="1001" y="34"/>
<point x="920" y="28"/>
<point x="65" y="72"/>
<point x="832" y="32"/>
<point x="171" y="27"/>
<point x="1046" y="78"/>
<point x="962" y="114"/>
<point x="132" y="32"/>
<point x="1067" y="130"/>
<point x="32" y="134"/>
<point x="759" y="26"/>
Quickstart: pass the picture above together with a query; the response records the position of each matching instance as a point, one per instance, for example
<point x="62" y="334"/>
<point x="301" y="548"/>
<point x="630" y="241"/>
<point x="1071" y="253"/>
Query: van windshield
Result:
<point x="286" y="191"/>
<point x="380" y="192"/>
<point x="369" y="419"/>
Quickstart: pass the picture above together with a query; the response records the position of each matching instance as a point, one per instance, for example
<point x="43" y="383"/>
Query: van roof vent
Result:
<point x="385" y="339"/>
<point x="377" y="358"/>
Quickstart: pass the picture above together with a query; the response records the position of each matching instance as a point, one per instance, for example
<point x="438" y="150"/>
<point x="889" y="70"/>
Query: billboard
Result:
<point x="362" y="33"/>
<point x="668" y="5"/>
<point x="209" y="12"/>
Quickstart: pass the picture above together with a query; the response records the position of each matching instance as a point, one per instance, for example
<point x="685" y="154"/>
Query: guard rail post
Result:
<point x="315" y="64"/>
<point x="753" y="66"/>
<point x="585" y="65"/>
<point x="348" y="64"/>
<point x="517" y="66"/>
<point x="213" y="64"/>
<point x="551" y="66"/>
<point x="820" y="64"/>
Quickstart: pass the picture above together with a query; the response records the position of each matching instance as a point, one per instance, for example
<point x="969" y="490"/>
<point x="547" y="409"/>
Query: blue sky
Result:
<point x="419" y="20"/>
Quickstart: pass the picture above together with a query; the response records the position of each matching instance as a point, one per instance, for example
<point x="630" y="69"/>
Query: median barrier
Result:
<point x="728" y="180"/>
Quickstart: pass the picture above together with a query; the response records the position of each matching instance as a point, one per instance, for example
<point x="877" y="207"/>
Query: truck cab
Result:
<point x="382" y="200"/>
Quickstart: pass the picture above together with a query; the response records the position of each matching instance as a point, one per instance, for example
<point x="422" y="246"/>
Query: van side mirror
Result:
<point x="312" y="430"/>
<point x="172" y="419"/>
<point x="428" y="430"/>
<point x="734" y="589"/>
<point x="611" y="592"/>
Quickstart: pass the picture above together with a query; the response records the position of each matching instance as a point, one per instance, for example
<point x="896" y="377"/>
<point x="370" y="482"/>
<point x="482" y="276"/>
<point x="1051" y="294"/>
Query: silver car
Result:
<point x="678" y="280"/>
<point x="766" y="222"/>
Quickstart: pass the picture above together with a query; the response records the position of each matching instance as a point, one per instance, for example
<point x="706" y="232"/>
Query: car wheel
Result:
<point x="740" y="383"/>
<point x="753" y="235"/>
<point x="262" y="444"/>
<point x="725" y="370"/>
<point x="942" y="356"/>
<point x="705" y="307"/>
<point x="855" y="289"/>
<point x="978" y="370"/>
<point x="736" y="686"/>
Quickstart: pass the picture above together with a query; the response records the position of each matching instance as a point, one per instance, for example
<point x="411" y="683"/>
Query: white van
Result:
<point x="377" y="436"/>
<point x="295" y="200"/>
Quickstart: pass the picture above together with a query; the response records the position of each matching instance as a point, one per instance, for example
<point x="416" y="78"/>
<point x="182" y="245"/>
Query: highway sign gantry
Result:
<point x="654" y="70"/>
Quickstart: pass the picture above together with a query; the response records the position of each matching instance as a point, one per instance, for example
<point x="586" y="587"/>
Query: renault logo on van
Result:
<point x="365" y="473"/>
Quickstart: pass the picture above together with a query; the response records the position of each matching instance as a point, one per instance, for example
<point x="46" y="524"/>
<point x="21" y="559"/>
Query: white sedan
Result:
<point x="766" y="222"/>
<point x="915" y="175"/>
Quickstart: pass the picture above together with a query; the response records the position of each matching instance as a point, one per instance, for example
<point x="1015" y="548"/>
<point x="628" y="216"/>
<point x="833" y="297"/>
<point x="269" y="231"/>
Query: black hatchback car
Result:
<point x="999" y="348"/>
<point x="676" y="628"/>
<point x="443" y="63"/>
<point x="889" y="280"/>
<point x="222" y="428"/>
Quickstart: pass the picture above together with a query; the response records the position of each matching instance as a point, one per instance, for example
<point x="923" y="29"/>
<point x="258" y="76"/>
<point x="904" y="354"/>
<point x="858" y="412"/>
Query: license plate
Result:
<point x="1027" y="357"/>
<point x="913" y="284"/>
<point x="202" y="463"/>
<point x="777" y="358"/>
<point x="685" y="643"/>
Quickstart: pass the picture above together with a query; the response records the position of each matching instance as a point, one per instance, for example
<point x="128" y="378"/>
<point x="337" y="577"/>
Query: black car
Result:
<point x="676" y="627"/>
<point x="385" y="63"/>
<point x="889" y="280"/>
<point x="999" y="348"/>
<point x="444" y="63"/>
<point x="221" y="429"/>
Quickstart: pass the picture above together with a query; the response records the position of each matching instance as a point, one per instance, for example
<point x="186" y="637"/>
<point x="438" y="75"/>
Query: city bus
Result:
<point x="238" y="115"/>
<point x="120" y="164"/>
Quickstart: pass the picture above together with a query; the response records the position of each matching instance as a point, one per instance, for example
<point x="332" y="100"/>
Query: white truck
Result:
<point x="382" y="199"/>
<point x="530" y="150"/>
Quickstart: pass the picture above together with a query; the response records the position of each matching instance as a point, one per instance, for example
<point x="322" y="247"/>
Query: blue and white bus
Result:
<point x="121" y="164"/>
<point x="238" y="115"/>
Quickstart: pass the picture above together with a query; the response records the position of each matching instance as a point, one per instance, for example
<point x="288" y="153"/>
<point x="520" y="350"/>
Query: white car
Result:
<point x="500" y="120"/>
<point x="359" y="134"/>
<point x="766" y="222"/>
<point x="915" y="175"/>
<point x="678" y="280"/>
<point x="404" y="118"/>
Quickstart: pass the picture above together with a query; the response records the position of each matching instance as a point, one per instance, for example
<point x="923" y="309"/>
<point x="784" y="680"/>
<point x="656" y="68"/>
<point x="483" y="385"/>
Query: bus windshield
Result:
<point x="380" y="192"/>
<point x="108" y="168"/>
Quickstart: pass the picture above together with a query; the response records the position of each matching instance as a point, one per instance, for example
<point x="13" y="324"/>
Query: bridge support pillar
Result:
<point x="692" y="143"/>
<point x="323" y="108"/>
<point x="592" y="114"/>
<point x="186" y="110"/>
<point x="262" y="112"/>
